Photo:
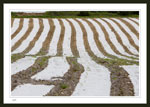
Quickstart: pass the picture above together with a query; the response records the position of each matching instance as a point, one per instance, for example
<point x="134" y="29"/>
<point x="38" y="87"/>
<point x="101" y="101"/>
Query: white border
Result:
<point x="76" y="7"/>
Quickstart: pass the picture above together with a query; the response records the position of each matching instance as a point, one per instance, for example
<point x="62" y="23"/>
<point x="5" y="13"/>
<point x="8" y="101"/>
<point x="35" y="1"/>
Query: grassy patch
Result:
<point x="63" y="86"/>
<point x="43" y="61"/>
<point x="15" y="57"/>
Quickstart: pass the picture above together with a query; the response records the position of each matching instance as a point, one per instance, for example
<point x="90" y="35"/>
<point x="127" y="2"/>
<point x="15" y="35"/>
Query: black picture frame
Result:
<point x="72" y="1"/>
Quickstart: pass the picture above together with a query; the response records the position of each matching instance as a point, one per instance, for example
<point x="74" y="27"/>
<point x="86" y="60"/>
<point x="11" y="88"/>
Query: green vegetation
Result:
<point x="15" y="57"/>
<point x="43" y="61"/>
<point x="63" y="86"/>
<point x="76" y="14"/>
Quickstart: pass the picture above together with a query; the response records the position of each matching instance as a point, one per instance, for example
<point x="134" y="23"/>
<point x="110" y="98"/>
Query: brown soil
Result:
<point x="121" y="85"/>
<point x="61" y="39"/>
<point x="32" y="43"/>
<point x="18" y="43"/>
<point x="134" y="21"/>
<point x="66" y="86"/>
<point x="130" y="27"/>
<point x="46" y="43"/>
<point x="119" y="39"/>
<point x="19" y="28"/>
<point x="12" y="21"/>
<point x="25" y="75"/>
<point x="73" y="40"/>
<point x="127" y="34"/>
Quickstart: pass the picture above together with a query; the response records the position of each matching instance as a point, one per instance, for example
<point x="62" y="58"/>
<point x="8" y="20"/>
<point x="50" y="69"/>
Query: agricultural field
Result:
<point x="75" y="56"/>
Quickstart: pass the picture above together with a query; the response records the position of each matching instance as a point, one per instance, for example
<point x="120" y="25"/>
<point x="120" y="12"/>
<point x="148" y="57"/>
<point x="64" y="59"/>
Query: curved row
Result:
<point x="107" y="38"/>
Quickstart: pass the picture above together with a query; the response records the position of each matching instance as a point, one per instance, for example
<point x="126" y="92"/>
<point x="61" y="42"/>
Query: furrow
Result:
<point x="120" y="40"/>
<point x="46" y="43"/>
<point x="127" y="34"/>
<point x="134" y="21"/>
<point x="21" y="22"/>
<point x="73" y="44"/>
<point x="36" y="44"/>
<point x="53" y="45"/>
<point x="27" y="42"/>
<point x="61" y="39"/>
<point x="67" y="39"/>
<point x="19" y="42"/>
<point x="130" y="26"/>
<point x="15" y="25"/>
<point x="133" y="36"/>
<point x="100" y="40"/>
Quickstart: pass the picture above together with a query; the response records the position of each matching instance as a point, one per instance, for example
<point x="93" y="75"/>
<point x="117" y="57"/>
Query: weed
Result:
<point x="63" y="86"/>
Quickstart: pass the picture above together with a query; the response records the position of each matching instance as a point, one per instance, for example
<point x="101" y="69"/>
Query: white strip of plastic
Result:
<point x="123" y="37"/>
<point x="31" y="36"/>
<point x="53" y="44"/>
<point x="133" y="36"/>
<point x="22" y="64"/>
<point x="15" y="25"/>
<point x="67" y="39"/>
<point x="31" y="90"/>
<point x="21" y="33"/>
<point x="39" y="42"/>
<point x="57" y="67"/>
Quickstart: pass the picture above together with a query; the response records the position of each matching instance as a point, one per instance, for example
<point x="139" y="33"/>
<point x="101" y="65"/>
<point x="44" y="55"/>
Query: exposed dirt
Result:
<point x="73" y="40"/>
<point x="46" y="43"/>
<point x="119" y="39"/>
<point x="12" y="21"/>
<point x="130" y="26"/>
<point x="61" y="39"/>
<point x="19" y="28"/>
<point x="127" y="34"/>
<point x="18" y="43"/>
